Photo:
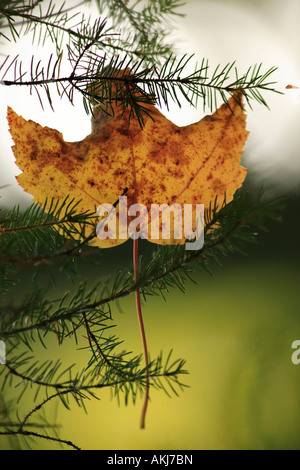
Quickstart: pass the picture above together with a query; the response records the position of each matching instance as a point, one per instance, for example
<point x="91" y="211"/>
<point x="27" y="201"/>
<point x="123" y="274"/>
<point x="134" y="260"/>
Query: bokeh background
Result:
<point x="235" y="329"/>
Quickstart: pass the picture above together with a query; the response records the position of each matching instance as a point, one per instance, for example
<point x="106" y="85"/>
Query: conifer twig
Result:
<point x="40" y="436"/>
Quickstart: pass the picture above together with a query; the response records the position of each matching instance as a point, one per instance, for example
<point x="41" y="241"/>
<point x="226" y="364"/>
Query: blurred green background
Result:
<point x="234" y="329"/>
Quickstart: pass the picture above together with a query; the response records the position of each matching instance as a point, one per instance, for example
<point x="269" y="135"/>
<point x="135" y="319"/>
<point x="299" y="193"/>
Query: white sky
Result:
<point x="248" y="32"/>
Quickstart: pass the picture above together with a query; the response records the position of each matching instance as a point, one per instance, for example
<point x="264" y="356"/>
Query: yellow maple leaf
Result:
<point x="159" y="164"/>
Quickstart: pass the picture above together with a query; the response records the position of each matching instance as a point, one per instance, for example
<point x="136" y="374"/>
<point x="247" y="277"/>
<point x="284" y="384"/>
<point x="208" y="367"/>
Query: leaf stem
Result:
<point x="142" y="330"/>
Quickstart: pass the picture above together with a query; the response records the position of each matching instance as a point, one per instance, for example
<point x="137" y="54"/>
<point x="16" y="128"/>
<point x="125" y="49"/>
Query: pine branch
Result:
<point x="170" y="266"/>
<point x="56" y="23"/>
<point x="97" y="55"/>
<point x="226" y="229"/>
<point x="52" y="19"/>
<point x="170" y="373"/>
<point x="24" y="236"/>
<point x="148" y="26"/>
<point x="24" y="433"/>
<point x="101" y="83"/>
<point x="76" y="385"/>
<point x="38" y="407"/>
<point x="47" y="375"/>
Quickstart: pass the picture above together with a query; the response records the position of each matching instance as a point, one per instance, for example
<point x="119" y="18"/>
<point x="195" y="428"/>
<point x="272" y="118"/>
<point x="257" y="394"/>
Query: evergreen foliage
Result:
<point x="55" y="241"/>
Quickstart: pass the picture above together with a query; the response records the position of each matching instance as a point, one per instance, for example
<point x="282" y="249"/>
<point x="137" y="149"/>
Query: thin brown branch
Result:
<point x="41" y="436"/>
